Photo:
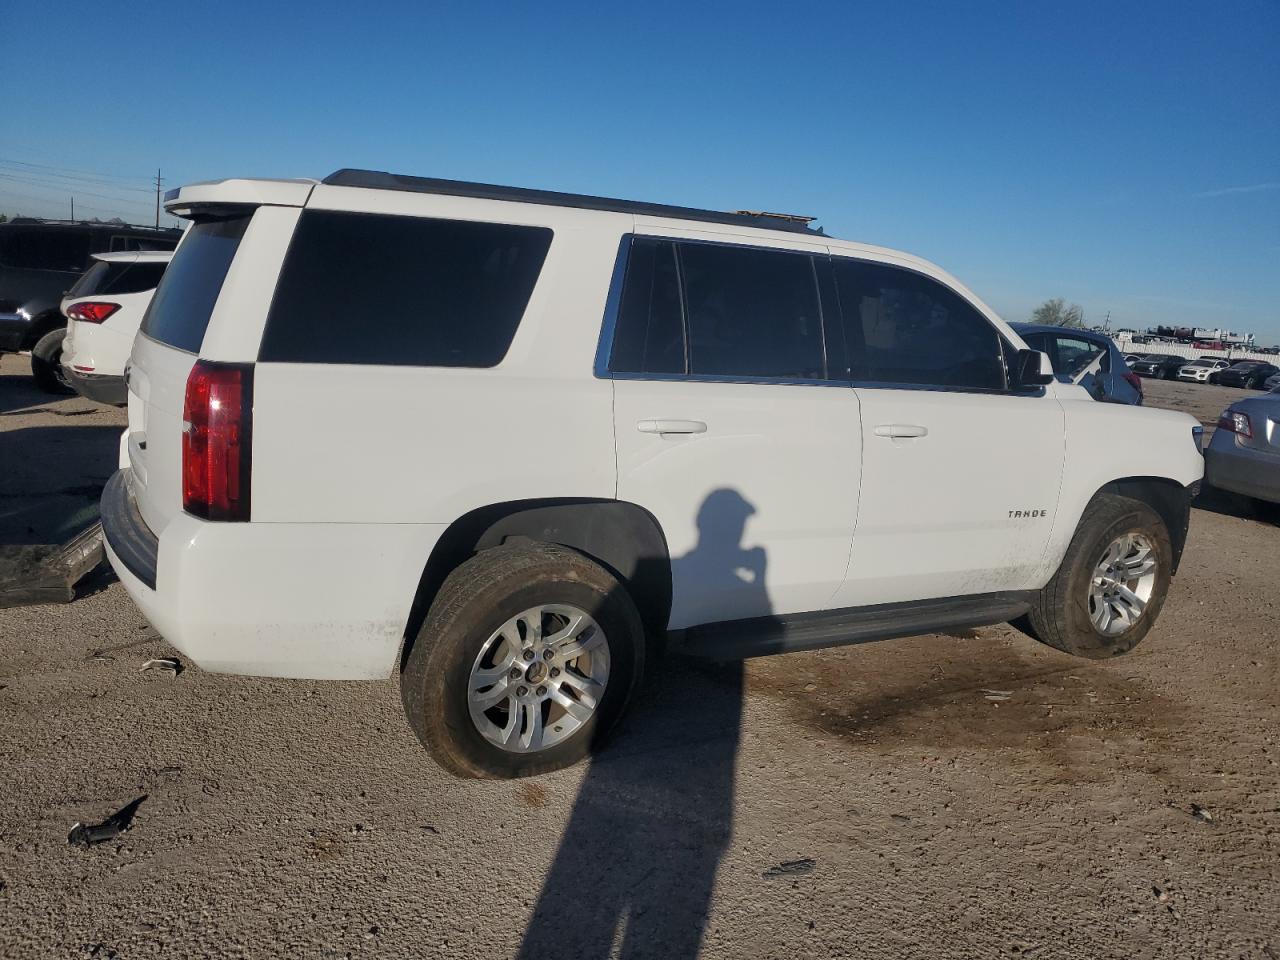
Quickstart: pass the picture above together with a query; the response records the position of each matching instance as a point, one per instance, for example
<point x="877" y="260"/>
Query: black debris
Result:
<point x="85" y="835"/>
<point x="791" y="868"/>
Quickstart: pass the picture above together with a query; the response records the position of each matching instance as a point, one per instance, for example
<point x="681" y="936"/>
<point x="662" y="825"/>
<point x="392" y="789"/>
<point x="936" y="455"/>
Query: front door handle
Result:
<point x="671" y="426"/>
<point x="901" y="430"/>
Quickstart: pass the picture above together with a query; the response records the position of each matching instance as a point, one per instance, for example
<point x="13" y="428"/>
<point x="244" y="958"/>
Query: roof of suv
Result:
<point x="377" y="180"/>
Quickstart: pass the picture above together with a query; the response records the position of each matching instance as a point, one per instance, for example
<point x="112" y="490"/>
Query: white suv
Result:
<point x="103" y="311"/>
<point x="498" y="440"/>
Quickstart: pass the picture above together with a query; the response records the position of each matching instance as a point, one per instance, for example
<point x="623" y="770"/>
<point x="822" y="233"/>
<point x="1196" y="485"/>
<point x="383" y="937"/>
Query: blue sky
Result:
<point x="1123" y="156"/>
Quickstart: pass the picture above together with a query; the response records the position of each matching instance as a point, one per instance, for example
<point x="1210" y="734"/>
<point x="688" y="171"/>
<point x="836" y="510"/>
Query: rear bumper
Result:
<point x="1239" y="470"/>
<point x="14" y="328"/>
<point x="96" y="387"/>
<point x="308" y="600"/>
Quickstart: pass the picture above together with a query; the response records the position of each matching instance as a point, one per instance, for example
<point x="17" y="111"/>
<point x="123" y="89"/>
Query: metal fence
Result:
<point x="1191" y="352"/>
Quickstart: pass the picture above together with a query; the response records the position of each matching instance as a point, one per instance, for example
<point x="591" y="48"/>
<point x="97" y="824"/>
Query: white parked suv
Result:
<point x="1199" y="371"/>
<point x="498" y="440"/>
<point x="103" y="311"/>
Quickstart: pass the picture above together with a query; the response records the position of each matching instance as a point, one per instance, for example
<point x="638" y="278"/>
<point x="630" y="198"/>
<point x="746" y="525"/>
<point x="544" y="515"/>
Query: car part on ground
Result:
<point x="31" y="575"/>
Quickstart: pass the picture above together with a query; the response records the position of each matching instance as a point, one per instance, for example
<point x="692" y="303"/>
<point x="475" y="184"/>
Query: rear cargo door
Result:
<point x="163" y="355"/>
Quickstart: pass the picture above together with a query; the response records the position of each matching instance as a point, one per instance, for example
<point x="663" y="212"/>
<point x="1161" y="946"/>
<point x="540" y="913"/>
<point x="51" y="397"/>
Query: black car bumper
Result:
<point x="126" y="532"/>
<point x="96" y="387"/>
<point x="14" y="328"/>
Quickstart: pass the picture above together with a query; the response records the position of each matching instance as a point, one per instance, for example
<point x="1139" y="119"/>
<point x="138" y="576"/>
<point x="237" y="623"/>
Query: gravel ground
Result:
<point x="868" y="801"/>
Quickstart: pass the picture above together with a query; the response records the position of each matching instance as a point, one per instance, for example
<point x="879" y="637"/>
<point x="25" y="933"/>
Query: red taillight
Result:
<point x="91" y="311"/>
<point x="217" y="441"/>
<point x="1133" y="380"/>
<point x="1237" y="422"/>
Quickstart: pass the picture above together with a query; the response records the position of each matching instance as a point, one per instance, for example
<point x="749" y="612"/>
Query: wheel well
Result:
<point x="42" y="324"/>
<point x="624" y="538"/>
<point x="1166" y="497"/>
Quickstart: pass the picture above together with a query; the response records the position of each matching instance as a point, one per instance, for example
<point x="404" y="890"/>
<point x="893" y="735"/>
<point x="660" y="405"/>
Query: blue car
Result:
<point x="1087" y="358"/>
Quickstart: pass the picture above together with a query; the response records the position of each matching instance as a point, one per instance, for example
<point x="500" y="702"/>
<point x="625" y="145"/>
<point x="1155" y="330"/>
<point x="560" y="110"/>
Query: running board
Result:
<point x="763" y="636"/>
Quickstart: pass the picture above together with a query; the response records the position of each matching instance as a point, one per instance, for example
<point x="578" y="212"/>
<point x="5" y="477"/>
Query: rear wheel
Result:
<point x="527" y="658"/>
<point x="46" y="363"/>
<point x="1112" y="583"/>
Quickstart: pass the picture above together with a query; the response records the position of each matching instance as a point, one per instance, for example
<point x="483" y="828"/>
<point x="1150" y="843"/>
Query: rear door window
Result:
<point x="906" y="329"/>
<point x="180" y="310"/>
<point x="405" y="291"/>
<point x="752" y="313"/>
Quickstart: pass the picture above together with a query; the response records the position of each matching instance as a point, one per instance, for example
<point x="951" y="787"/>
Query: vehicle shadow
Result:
<point x="52" y="480"/>
<point x="19" y="392"/>
<point x="636" y="867"/>
<point x="1214" y="500"/>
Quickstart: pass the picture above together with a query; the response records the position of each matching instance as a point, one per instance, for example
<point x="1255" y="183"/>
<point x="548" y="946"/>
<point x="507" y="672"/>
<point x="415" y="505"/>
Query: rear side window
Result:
<point x="407" y="291"/>
<point x="180" y="311"/>
<point x="905" y="328"/>
<point x="117" y="278"/>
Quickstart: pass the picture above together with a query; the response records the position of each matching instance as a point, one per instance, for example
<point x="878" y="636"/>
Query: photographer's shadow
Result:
<point x="636" y="868"/>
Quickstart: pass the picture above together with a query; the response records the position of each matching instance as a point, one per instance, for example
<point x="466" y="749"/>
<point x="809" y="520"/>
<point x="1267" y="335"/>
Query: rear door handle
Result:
<point x="901" y="430"/>
<point x="671" y="426"/>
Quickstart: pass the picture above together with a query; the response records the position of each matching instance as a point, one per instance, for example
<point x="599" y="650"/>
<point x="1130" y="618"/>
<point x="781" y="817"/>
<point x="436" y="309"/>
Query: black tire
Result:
<point x="475" y="601"/>
<point x="46" y="363"/>
<point x="1060" y="615"/>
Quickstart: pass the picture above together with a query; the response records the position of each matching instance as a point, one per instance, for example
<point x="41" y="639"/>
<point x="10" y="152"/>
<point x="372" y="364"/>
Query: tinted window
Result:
<point x="180" y="310"/>
<point x="751" y="313"/>
<point x="362" y="288"/>
<point x="117" y="278"/>
<point x="44" y="249"/>
<point x="903" y="327"/>
<point x="1072" y="354"/>
<point x="649" y="337"/>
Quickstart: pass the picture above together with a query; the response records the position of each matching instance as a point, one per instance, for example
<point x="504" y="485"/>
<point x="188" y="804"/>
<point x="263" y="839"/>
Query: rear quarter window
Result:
<point x="180" y="310"/>
<point x="405" y="291"/>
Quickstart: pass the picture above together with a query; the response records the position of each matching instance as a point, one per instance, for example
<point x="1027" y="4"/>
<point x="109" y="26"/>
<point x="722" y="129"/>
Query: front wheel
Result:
<point x="46" y="363"/>
<point x="1112" y="583"/>
<point x="528" y="656"/>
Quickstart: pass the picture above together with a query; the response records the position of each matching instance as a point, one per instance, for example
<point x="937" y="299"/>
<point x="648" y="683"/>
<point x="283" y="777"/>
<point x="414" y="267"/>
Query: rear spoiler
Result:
<point x="216" y="197"/>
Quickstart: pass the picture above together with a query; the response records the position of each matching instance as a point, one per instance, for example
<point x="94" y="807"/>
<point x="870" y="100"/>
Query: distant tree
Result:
<point x="1056" y="313"/>
<point x="4" y="218"/>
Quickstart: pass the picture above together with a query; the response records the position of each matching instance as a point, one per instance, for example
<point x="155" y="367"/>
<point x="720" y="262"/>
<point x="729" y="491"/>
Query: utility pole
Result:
<point x="73" y="209"/>
<point x="158" y="182"/>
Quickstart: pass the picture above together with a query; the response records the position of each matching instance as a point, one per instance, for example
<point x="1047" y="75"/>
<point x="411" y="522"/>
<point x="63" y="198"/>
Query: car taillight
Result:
<point x="1238" y="423"/>
<point x="1133" y="380"/>
<point x="217" y="436"/>
<point x="91" y="311"/>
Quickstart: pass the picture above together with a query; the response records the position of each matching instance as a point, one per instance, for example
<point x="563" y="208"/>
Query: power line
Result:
<point x="63" y="181"/>
<point x="71" y="170"/>
<point x="63" y="188"/>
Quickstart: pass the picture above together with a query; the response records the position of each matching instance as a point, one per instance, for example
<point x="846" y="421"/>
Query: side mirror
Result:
<point x="1032" y="368"/>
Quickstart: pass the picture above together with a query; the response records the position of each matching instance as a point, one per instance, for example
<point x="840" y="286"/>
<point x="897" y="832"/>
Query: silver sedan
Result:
<point x="1244" y="455"/>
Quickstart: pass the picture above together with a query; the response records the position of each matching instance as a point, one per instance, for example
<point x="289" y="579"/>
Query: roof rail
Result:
<point x="378" y="180"/>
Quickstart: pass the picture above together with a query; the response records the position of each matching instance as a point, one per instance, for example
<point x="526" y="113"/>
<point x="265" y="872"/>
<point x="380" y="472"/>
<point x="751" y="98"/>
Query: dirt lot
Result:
<point x="302" y="819"/>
